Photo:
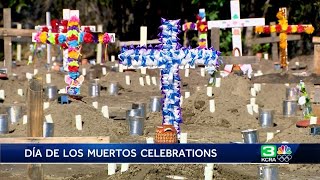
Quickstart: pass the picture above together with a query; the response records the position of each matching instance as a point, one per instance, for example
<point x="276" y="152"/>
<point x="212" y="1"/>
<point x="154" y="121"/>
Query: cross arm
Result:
<point x="189" y="26"/>
<point x="146" y="57"/>
<point x="240" y="60"/>
<point x="236" y="23"/>
<point x="301" y="28"/>
<point x="16" y="32"/>
<point x="82" y="37"/>
<point x="264" y="40"/>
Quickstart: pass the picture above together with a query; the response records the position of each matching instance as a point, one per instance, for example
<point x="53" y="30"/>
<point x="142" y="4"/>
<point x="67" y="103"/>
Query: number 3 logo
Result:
<point x="268" y="151"/>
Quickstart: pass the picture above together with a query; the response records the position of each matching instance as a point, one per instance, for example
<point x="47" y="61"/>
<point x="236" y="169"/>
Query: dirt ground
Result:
<point x="222" y="126"/>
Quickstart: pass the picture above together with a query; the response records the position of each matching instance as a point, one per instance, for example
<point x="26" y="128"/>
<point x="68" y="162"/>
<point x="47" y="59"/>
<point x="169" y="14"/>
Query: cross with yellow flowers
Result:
<point x="283" y="28"/>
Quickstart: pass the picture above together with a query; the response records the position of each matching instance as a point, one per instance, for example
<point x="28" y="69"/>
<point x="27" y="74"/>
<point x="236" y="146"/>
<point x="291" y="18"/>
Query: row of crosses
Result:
<point x="168" y="56"/>
<point x="70" y="38"/>
<point x="236" y="23"/>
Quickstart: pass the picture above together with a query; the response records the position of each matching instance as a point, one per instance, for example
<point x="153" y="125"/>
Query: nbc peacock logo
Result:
<point x="284" y="153"/>
<point x="273" y="154"/>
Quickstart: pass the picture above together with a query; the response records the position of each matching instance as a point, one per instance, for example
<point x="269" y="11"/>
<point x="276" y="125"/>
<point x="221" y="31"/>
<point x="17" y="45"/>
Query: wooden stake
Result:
<point x="99" y="46"/>
<point x="7" y="40"/>
<point x="35" y="123"/>
<point x="19" y="26"/>
<point x="48" y="22"/>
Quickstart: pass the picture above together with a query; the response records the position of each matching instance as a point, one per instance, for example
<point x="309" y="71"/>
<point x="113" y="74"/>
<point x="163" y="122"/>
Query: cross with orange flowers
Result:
<point x="283" y="28"/>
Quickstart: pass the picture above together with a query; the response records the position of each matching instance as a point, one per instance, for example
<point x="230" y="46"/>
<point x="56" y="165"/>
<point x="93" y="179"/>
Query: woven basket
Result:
<point x="166" y="134"/>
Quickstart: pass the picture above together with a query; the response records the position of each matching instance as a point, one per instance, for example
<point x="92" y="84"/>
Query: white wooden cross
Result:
<point x="236" y="23"/>
<point x="67" y="13"/>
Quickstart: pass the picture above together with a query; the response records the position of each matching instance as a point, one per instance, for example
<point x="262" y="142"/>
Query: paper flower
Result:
<point x="88" y="38"/>
<point x="259" y="29"/>
<point x="280" y="15"/>
<point x="62" y="38"/>
<point x="309" y="29"/>
<point x="51" y="38"/>
<point x="300" y="28"/>
<point x="278" y="28"/>
<point x="266" y="29"/>
<point x="43" y="37"/>
<point x="302" y="100"/>
<point x="289" y="29"/>
<point x="45" y="29"/>
<point x="73" y="55"/>
<point x="272" y="29"/>
<point x="106" y="38"/>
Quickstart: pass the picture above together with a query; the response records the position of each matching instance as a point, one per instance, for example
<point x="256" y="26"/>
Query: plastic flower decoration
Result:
<point x="304" y="100"/>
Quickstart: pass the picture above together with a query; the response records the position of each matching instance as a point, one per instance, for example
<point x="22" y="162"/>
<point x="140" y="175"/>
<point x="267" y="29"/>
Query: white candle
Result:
<point x="62" y="91"/>
<point x="270" y="136"/>
<point x="78" y="122"/>
<point x="154" y="80"/>
<point x="297" y="63"/>
<point x="181" y="100"/>
<point x="84" y="71"/>
<point x="53" y="58"/>
<point x="116" y="65"/>
<point x="218" y="82"/>
<point x="252" y="101"/>
<point x="202" y="72"/>
<point x="49" y="118"/>
<point x="313" y="120"/>
<point x="143" y="70"/>
<point x="212" y="105"/>
<point x="208" y="173"/>
<point x="105" y="111"/>
<point x="104" y="71"/>
<point x="20" y="92"/>
<point x="148" y="81"/>
<point x="250" y="109"/>
<point x="128" y="82"/>
<point x="35" y="71"/>
<point x="186" y="73"/>
<point x="149" y="140"/>
<point x="48" y="78"/>
<point x="287" y="84"/>
<point x="120" y="68"/>
<point x="266" y="56"/>
<point x="46" y="105"/>
<point x="30" y="58"/>
<point x="253" y="92"/>
<point x="95" y="104"/>
<point x="256" y="87"/>
<point x="184" y="138"/>
<point x="113" y="58"/>
<point x="141" y="81"/>
<point x="124" y="167"/>
<point x="25" y="119"/>
<point x="2" y="96"/>
<point x="187" y="94"/>
<point x="255" y="108"/>
<point x="29" y="76"/>
<point x="209" y="91"/>
<point x="112" y="168"/>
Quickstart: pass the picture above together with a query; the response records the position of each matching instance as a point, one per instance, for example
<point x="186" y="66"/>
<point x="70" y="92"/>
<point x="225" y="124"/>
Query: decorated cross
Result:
<point x="283" y="28"/>
<point x="236" y="23"/>
<point x="201" y="26"/>
<point x="71" y="41"/>
<point x="168" y="56"/>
